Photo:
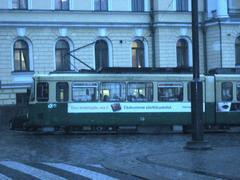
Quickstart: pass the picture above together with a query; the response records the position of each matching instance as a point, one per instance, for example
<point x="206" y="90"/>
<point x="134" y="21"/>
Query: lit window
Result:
<point x="140" y="92"/>
<point x="101" y="54"/>
<point x="170" y="92"/>
<point x="20" y="4"/>
<point x="138" y="5"/>
<point x="85" y="92"/>
<point x="138" y="54"/>
<point x="62" y="4"/>
<point x="62" y="56"/>
<point x="113" y="92"/>
<point x="42" y="92"/>
<point x="101" y="5"/>
<point x="62" y="91"/>
<point x="182" y="53"/>
<point x="21" y="56"/>
<point x="237" y="51"/>
<point x="227" y="91"/>
<point x="182" y="5"/>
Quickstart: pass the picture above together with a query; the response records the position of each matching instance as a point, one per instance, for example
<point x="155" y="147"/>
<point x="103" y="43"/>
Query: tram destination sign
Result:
<point x="128" y="107"/>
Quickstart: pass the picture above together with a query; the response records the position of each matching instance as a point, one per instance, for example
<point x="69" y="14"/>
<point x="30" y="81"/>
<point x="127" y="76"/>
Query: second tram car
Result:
<point x="109" y="99"/>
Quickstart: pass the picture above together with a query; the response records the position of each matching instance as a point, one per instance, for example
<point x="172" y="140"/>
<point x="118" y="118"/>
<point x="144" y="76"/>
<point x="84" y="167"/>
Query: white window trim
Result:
<point x="30" y="50"/>
<point x="110" y="51"/>
<point x="189" y="41"/>
<point x="146" y="47"/>
<point x="71" y="46"/>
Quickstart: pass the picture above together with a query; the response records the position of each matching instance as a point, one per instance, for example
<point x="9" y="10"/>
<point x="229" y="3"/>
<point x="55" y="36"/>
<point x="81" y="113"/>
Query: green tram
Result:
<point x="114" y="99"/>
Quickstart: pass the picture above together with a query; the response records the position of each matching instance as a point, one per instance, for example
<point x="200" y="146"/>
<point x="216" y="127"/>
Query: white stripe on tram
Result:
<point x="38" y="173"/>
<point x="80" y="171"/>
<point x="3" y="177"/>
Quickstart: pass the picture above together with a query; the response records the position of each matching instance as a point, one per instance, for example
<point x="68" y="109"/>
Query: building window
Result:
<point x="21" y="56"/>
<point x="101" y="54"/>
<point x="22" y="98"/>
<point x="182" y="5"/>
<point x="182" y="53"/>
<point x="20" y="4"/>
<point x="101" y="5"/>
<point x="138" y="5"/>
<point x="62" y="56"/>
<point x="138" y="54"/>
<point x="237" y="51"/>
<point x="62" y="4"/>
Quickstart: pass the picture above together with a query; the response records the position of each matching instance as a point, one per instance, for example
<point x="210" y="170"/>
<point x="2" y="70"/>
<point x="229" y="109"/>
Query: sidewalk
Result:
<point x="175" y="162"/>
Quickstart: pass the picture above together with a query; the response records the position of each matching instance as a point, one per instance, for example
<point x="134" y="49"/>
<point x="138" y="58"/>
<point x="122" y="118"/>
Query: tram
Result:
<point x="128" y="97"/>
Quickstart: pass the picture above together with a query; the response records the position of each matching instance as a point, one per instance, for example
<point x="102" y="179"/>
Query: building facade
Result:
<point x="37" y="36"/>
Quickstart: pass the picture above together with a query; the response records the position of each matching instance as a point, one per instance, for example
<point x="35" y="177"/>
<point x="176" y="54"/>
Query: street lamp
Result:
<point x="197" y="141"/>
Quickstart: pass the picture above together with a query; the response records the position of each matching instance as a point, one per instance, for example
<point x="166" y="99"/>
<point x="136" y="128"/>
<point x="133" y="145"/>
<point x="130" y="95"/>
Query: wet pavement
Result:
<point x="117" y="156"/>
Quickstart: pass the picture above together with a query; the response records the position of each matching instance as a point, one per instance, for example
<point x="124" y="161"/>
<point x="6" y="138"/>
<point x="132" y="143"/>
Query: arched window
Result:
<point x="61" y="55"/>
<point x="21" y="56"/>
<point x="182" y="53"/>
<point x="237" y="51"/>
<point x="101" y="54"/>
<point x="138" y="54"/>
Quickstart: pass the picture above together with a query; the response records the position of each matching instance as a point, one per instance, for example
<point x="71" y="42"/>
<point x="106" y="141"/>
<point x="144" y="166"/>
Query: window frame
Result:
<point x="42" y="99"/>
<point x="66" y="94"/>
<point x="231" y="92"/>
<point x="238" y="91"/>
<point x="138" y="5"/>
<point x="172" y="85"/>
<point x="20" y="4"/>
<point x="182" y="6"/>
<point x="237" y="51"/>
<point x="61" y="5"/>
<point x="21" y="51"/>
<point x="121" y="99"/>
<point x="101" y="5"/>
<point x="63" y="51"/>
<point x="139" y="52"/>
<point x="146" y="92"/>
<point x="89" y="84"/>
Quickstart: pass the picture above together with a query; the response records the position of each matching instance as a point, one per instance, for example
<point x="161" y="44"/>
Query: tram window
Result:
<point x="113" y="92"/>
<point x="227" y="91"/>
<point x="32" y="94"/>
<point x="172" y="92"/>
<point x="140" y="92"/>
<point x="62" y="92"/>
<point x="42" y="92"/>
<point x="84" y="92"/>
<point x="238" y="91"/>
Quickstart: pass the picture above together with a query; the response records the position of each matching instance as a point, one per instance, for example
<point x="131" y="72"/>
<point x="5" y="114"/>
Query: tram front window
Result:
<point x="84" y="92"/>
<point x="42" y="92"/>
<point x="170" y="92"/>
<point x="113" y="92"/>
<point x="140" y="92"/>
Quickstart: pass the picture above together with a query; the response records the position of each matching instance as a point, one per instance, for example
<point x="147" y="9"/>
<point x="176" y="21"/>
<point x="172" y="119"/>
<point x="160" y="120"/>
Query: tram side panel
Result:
<point x="210" y="105"/>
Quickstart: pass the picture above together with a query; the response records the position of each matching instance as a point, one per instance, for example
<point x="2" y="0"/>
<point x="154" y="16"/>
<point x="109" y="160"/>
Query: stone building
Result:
<point x="35" y="37"/>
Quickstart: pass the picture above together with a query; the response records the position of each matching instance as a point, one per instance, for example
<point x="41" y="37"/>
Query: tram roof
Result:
<point x="129" y="70"/>
<point x="225" y="71"/>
